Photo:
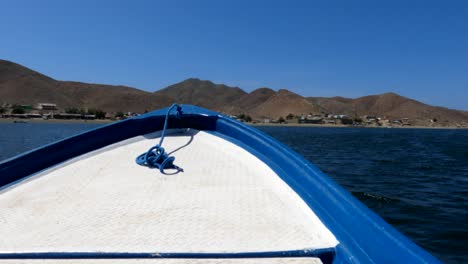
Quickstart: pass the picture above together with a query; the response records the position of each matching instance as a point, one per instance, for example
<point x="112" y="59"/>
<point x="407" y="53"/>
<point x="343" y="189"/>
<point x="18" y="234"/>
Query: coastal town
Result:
<point x="50" y="111"/>
<point x="326" y="119"/>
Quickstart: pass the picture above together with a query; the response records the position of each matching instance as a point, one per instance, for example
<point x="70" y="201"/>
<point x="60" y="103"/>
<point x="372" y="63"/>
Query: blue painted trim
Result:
<point x="326" y="255"/>
<point x="364" y="237"/>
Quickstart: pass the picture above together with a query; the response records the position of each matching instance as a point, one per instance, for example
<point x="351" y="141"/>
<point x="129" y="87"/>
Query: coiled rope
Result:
<point x="156" y="157"/>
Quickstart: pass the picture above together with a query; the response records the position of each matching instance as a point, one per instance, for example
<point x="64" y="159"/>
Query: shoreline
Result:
<point x="106" y="121"/>
<point x="350" y="126"/>
<point x="55" y="121"/>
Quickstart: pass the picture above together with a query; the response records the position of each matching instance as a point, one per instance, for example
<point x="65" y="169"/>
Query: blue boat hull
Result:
<point x="363" y="236"/>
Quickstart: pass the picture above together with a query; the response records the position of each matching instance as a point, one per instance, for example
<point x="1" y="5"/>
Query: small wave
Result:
<point x="384" y="160"/>
<point x="425" y="167"/>
<point x="375" y="197"/>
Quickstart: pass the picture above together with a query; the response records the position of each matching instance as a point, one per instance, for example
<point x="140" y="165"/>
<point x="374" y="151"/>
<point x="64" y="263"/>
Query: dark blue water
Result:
<point x="16" y="138"/>
<point x="416" y="179"/>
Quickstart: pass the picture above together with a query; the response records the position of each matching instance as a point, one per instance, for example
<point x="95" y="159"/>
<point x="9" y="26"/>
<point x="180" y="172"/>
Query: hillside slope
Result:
<point x="389" y="105"/>
<point x="114" y="98"/>
<point x="203" y="93"/>
<point x="20" y="85"/>
<point x="283" y="103"/>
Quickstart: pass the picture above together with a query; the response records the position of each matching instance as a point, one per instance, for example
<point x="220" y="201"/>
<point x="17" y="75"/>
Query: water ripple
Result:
<point x="416" y="179"/>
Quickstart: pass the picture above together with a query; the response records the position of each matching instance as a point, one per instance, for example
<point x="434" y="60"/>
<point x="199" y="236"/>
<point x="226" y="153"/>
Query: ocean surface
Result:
<point x="416" y="179"/>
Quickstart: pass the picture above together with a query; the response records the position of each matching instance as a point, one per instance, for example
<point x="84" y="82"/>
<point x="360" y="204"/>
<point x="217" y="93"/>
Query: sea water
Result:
<point x="416" y="179"/>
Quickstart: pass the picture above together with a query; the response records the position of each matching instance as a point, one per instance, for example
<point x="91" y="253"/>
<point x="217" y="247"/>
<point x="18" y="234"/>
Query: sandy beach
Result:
<point x="107" y="121"/>
<point x="55" y="121"/>
<point x="347" y="126"/>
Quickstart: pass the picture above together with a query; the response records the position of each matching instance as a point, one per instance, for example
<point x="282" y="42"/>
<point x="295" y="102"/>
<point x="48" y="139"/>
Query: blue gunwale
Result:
<point x="363" y="236"/>
<point x="326" y="255"/>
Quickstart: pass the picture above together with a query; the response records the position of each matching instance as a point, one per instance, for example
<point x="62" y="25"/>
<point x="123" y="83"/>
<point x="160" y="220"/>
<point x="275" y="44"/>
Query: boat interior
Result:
<point x="226" y="206"/>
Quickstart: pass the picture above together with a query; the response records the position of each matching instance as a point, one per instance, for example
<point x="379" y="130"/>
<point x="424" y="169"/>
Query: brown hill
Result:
<point x="283" y="103"/>
<point x="114" y="98"/>
<point x="20" y="85"/>
<point x="333" y="104"/>
<point x="218" y="97"/>
<point x="392" y="106"/>
<point x="260" y="103"/>
<point x="253" y="99"/>
<point x="245" y="103"/>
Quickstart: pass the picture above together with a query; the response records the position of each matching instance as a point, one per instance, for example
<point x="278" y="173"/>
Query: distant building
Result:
<point x="310" y="120"/>
<point x="46" y="106"/>
<point x="337" y="116"/>
<point x="370" y="118"/>
<point x="405" y="122"/>
<point x="27" y="107"/>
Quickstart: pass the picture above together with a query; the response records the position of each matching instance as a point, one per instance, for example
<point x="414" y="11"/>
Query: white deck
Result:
<point x="226" y="200"/>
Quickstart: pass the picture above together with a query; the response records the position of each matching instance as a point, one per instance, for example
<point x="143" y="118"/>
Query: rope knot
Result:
<point x="156" y="156"/>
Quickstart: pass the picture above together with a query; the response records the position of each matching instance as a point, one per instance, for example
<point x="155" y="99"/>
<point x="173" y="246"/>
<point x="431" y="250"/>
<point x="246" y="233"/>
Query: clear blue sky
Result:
<point x="415" y="48"/>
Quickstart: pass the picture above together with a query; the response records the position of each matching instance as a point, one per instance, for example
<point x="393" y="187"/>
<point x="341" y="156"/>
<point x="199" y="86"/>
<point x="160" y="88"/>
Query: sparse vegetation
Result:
<point x="119" y="115"/>
<point x="245" y="118"/>
<point x="98" y="113"/>
<point x="289" y="116"/>
<point x="18" y="110"/>
<point x="358" y="120"/>
<point x="74" y="110"/>
<point x="346" y="121"/>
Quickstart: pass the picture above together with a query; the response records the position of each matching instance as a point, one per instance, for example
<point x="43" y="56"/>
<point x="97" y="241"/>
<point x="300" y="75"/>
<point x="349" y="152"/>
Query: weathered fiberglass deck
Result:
<point x="225" y="201"/>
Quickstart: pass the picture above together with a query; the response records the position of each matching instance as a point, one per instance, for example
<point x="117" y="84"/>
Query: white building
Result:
<point x="46" y="106"/>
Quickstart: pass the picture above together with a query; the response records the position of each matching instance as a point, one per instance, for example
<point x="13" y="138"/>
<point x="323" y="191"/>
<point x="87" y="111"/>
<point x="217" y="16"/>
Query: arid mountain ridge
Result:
<point x="20" y="85"/>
